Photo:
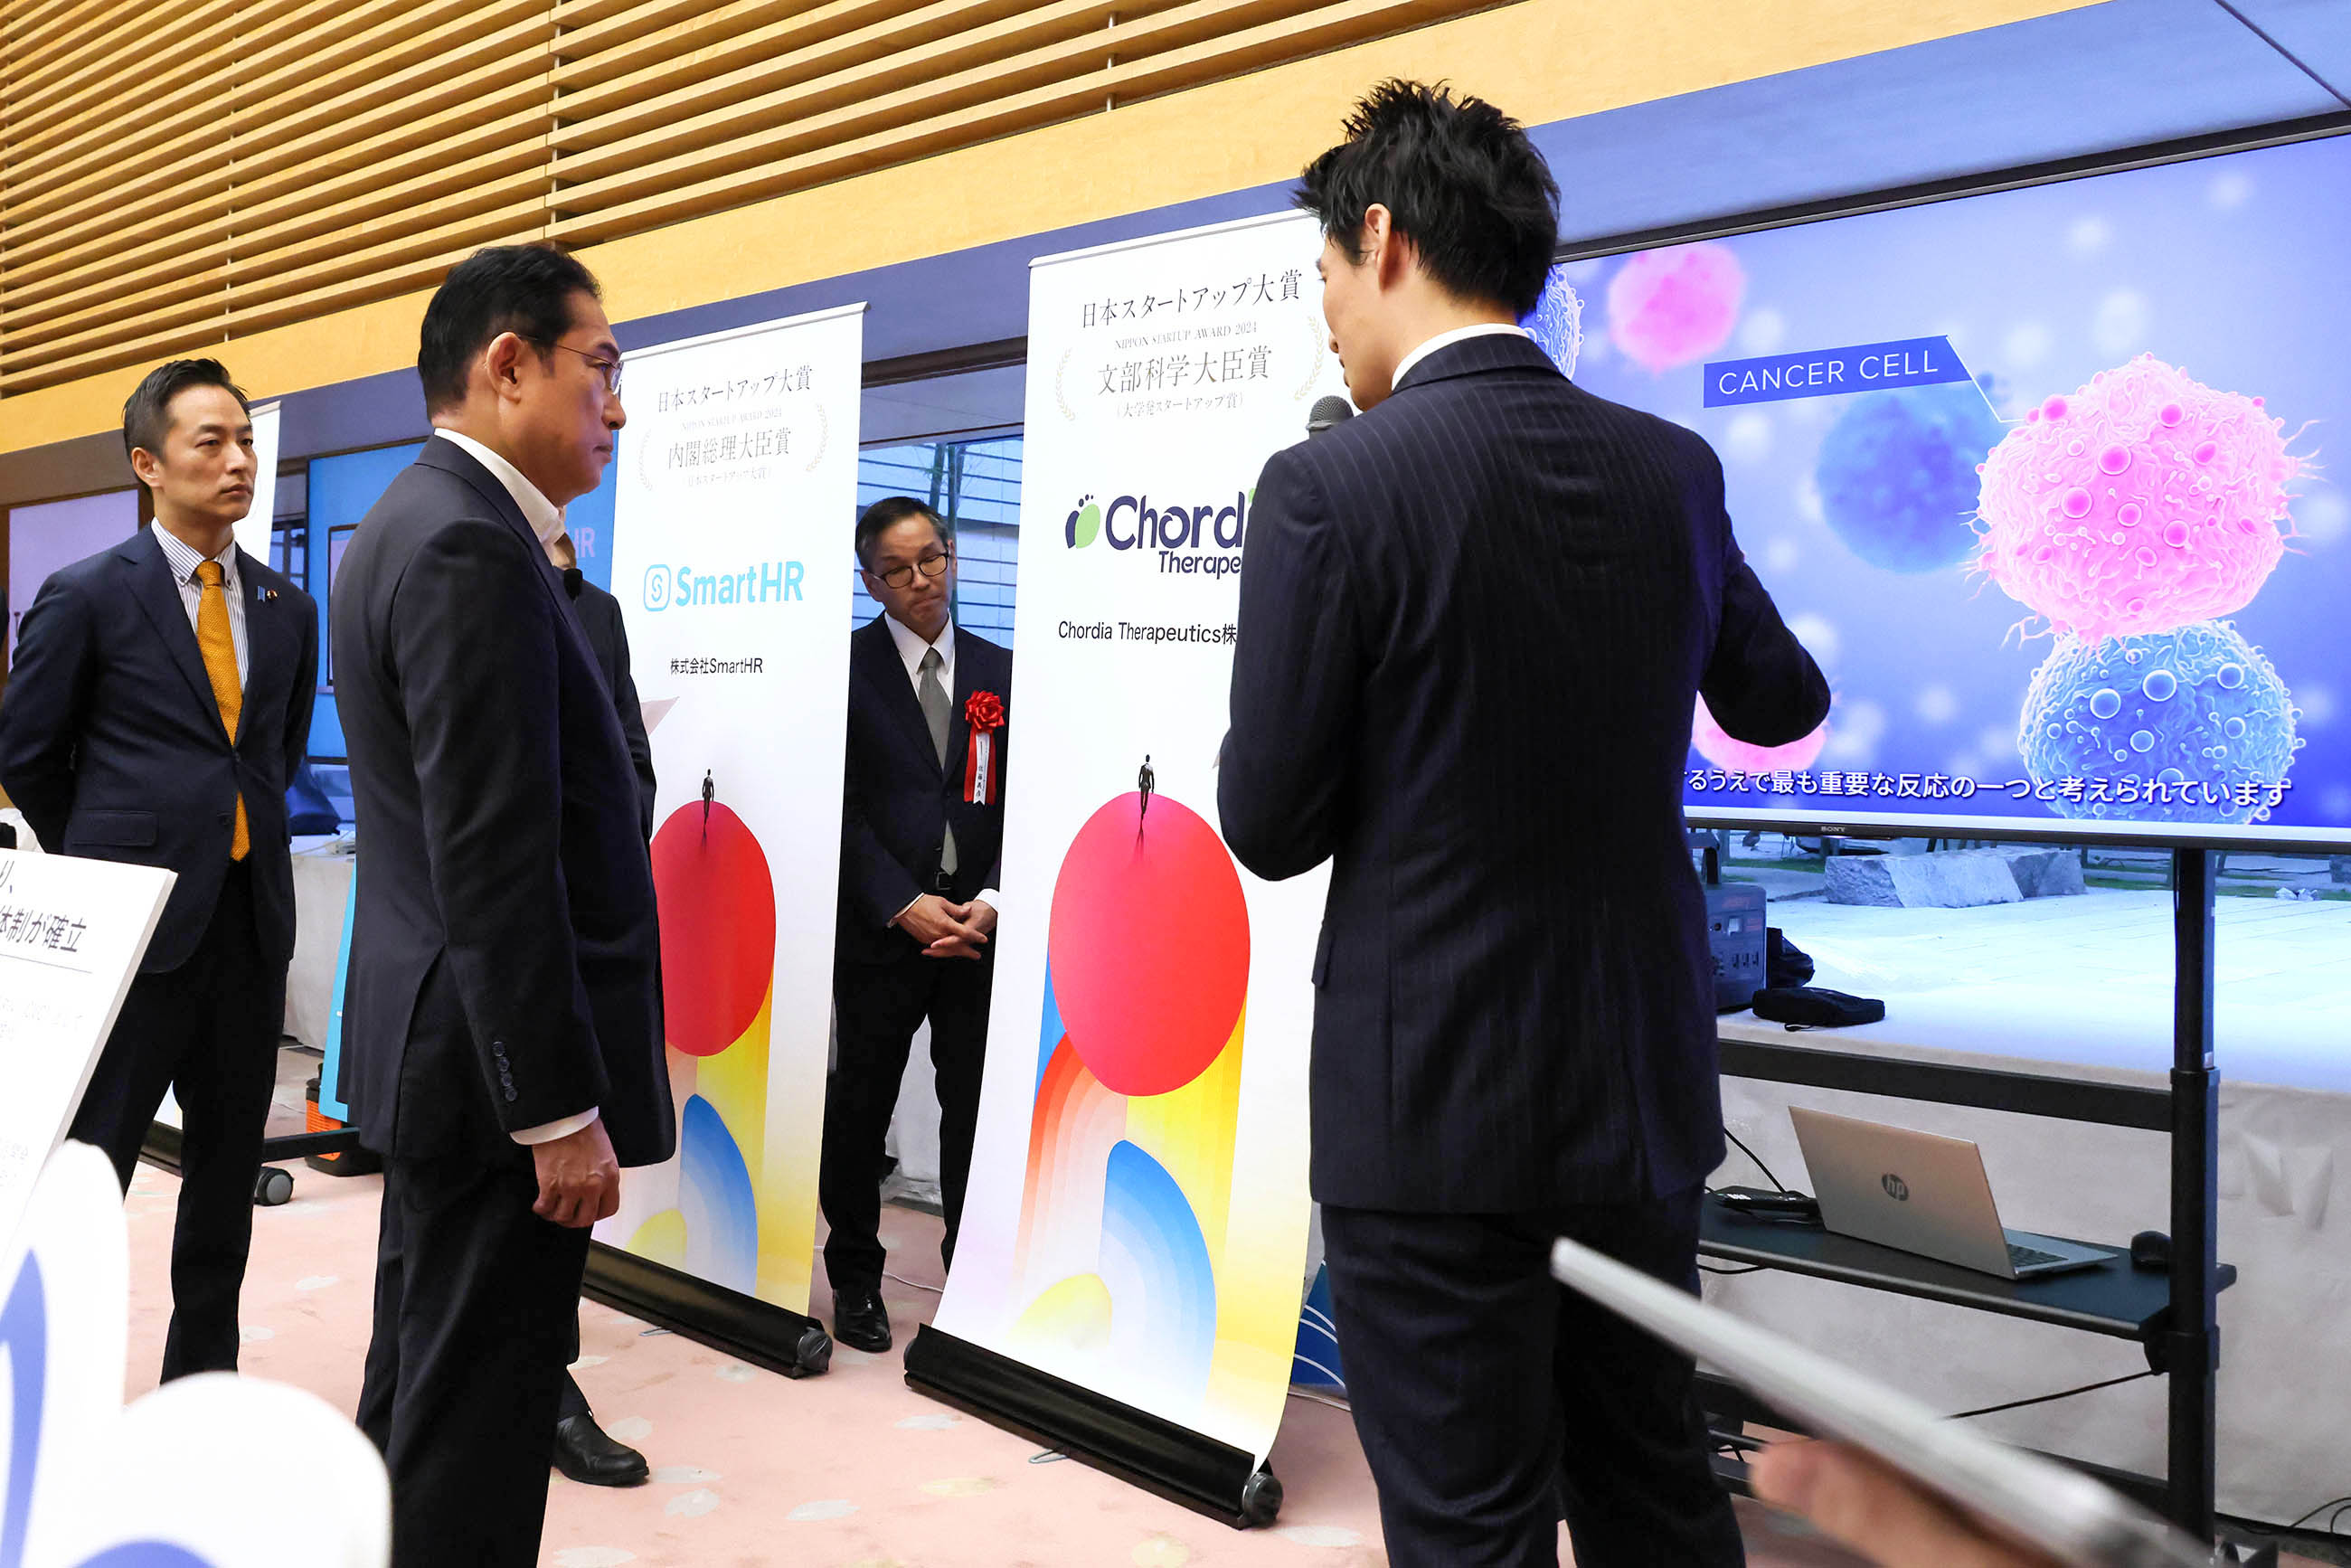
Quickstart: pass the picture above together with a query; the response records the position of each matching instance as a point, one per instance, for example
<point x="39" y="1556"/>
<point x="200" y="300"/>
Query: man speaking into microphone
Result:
<point x="1474" y="623"/>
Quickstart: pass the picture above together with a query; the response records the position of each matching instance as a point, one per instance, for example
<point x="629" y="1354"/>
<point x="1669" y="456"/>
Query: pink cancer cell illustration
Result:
<point x="1672" y="306"/>
<point x="2144" y="501"/>
<point x="1717" y="746"/>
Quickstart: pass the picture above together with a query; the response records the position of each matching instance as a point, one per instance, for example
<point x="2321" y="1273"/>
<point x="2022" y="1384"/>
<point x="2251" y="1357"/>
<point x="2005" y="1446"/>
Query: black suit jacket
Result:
<point x="608" y="639"/>
<point x="1473" y="623"/>
<point x="111" y="743"/>
<point x="504" y="949"/>
<point x="896" y="800"/>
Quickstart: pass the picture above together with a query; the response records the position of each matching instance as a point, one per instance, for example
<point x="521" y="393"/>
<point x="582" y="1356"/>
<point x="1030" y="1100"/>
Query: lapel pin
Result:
<point x="269" y="596"/>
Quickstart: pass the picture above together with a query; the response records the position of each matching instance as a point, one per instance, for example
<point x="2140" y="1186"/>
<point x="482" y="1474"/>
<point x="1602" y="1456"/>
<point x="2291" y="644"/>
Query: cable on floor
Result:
<point x="2045" y="1399"/>
<point x="2337" y="1503"/>
<point x="1751" y="1154"/>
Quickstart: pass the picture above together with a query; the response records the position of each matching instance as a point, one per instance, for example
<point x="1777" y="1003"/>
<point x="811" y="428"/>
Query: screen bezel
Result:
<point x="2022" y="830"/>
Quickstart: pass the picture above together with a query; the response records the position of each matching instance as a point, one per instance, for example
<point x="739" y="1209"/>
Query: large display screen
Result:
<point x="2040" y="476"/>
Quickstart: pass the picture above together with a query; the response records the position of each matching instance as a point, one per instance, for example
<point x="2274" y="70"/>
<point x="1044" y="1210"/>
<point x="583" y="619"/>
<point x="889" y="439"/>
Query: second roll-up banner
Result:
<point x="1127" y="1280"/>
<point x="737" y="487"/>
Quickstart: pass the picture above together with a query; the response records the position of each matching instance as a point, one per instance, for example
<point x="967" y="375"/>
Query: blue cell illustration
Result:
<point x="1556" y="322"/>
<point x="2186" y="726"/>
<point x="1897" y="474"/>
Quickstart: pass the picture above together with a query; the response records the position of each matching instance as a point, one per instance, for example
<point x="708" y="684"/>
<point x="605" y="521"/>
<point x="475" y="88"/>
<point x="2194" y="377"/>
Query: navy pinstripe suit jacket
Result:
<point x="1473" y="621"/>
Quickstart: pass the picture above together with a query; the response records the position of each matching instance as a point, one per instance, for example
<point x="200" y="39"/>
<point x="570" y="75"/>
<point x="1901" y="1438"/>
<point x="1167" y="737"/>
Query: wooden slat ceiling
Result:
<point x="173" y="173"/>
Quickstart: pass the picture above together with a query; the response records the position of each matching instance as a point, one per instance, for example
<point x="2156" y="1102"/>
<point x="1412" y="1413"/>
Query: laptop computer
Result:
<point x="1923" y="1194"/>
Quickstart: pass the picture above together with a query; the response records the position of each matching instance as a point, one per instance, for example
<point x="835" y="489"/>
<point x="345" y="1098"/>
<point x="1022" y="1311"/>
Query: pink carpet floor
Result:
<point x="851" y="1470"/>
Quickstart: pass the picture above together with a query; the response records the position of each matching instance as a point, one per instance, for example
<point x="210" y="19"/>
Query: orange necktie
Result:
<point x="220" y="666"/>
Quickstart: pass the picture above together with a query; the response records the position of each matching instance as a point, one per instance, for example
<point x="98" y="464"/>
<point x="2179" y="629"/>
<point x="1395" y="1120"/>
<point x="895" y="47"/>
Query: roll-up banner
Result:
<point x="1127" y="1279"/>
<point x="735" y="496"/>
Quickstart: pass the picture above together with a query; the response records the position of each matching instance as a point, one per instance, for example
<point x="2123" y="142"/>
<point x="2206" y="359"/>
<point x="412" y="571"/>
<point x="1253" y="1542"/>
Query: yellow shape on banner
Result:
<point x="1190" y="1131"/>
<point x="1243" y="1376"/>
<point x="735" y="1081"/>
<point x="1258" y="1290"/>
<point x="1071" y="1315"/>
<point x="661" y="1239"/>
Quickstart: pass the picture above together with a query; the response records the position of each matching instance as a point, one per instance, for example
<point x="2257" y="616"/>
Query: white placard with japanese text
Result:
<point x="71" y="934"/>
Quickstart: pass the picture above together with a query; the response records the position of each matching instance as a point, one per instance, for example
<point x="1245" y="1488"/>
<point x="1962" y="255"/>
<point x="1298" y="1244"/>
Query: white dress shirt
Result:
<point x="546" y="520"/>
<point x="184" y="558"/>
<point x="545" y="517"/>
<point x="1445" y="339"/>
<point x="911" y="649"/>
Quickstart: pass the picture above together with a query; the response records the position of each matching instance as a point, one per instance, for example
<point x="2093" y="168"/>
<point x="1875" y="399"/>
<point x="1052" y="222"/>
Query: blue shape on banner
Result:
<point x="1145" y="1215"/>
<point x="722" y="1213"/>
<point x="1830" y="373"/>
<point x="1048" y="1039"/>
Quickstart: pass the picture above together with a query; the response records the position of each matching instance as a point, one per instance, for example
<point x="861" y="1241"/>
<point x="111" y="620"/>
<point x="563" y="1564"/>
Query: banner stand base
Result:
<point x="743" y="1326"/>
<point x="1149" y="1451"/>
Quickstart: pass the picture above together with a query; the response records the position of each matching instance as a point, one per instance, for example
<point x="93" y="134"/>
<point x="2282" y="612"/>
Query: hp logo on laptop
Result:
<point x="1896" y="1187"/>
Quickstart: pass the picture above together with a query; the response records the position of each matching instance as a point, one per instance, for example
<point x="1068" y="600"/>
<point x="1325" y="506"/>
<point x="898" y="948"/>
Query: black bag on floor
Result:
<point x="1815" y="1007"/>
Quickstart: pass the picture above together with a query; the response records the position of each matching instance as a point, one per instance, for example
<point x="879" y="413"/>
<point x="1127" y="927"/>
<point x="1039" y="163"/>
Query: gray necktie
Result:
<point x="933" y="698"/>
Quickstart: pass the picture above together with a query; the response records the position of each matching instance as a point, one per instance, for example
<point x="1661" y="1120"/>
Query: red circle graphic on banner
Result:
<point x="1150" y="945"/>
<point x="717" y="927"/>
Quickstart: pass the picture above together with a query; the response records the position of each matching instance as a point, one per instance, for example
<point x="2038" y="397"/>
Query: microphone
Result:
<point x="572" y="578"/>
<point x="1326" y="413"/>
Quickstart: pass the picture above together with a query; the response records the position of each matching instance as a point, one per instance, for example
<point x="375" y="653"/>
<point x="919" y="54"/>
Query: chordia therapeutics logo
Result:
<point x="1203" y="540"/>
<point x="684" y="587"/>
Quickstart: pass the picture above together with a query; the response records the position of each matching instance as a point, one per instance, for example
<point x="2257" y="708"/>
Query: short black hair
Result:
<point x="888" y="513"/>
<point x="525" y="289"/>
<point x="147" y="412"/>
<point x="1461" y="181"/>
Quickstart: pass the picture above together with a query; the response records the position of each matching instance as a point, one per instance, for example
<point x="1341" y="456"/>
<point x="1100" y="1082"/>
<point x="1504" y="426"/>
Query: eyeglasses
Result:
<point x="608" y="368"/>
<point x="929" y="566"/>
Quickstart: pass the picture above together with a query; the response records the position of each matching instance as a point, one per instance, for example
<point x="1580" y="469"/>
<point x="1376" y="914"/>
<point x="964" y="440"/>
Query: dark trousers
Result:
<point x="208" y="1030"/>
<point x="476" y="1314"/>
<point x="1491" y="1400"/>
<point x="878" y="1007"/>
<point x="568" y="1400"/>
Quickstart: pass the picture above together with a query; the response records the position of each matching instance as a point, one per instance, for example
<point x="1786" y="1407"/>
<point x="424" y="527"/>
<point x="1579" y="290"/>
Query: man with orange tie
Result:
<point x="158" y="705"/>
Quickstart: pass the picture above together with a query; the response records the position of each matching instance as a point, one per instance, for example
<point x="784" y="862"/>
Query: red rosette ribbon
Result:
<point x="983" y="770"/>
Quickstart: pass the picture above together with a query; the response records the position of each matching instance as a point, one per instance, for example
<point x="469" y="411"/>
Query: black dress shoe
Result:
<point x="860" y="1321"/>
<point x="584" y="1454"/>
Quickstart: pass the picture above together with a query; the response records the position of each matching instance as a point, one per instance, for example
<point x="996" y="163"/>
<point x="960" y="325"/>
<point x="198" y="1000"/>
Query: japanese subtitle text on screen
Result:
<point x="2121" y="791"/>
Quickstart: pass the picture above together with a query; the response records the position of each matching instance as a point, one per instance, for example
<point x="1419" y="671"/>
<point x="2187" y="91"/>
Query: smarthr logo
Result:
<point x="685" y="587"/>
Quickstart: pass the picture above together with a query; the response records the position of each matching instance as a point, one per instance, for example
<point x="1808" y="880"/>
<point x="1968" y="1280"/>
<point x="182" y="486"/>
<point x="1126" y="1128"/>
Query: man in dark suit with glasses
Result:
<point x="504" y="1004"/>
<point x="922" y="827"/>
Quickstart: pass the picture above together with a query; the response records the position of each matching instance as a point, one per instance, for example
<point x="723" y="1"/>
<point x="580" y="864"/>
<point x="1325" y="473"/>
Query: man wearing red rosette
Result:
<point x="922" y="828"/>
